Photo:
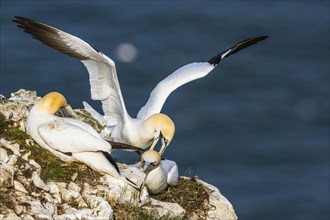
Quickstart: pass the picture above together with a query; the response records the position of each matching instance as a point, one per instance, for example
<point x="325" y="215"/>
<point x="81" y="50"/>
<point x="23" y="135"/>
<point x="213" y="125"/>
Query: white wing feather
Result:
<point x="66" y="137"/>
<point x="165" y="87"/>
<point x="186" y="74"/>
<point x="102" y="71"/>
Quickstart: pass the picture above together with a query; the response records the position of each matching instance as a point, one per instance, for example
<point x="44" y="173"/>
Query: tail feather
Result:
<point x="111" y="160"/>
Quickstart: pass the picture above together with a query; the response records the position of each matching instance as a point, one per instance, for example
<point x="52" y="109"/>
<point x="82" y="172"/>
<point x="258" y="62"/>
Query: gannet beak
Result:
<point x="63" y="113"/>
<point x="154" y="143"/>
<point x="148" y="167"/>
<point x="165" y="144"/>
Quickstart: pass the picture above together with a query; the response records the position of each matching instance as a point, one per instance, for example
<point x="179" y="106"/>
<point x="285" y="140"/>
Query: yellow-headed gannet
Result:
<point x="150" y="125"/>
<point x="68" y="138"/>
<point x="160" y="173"/>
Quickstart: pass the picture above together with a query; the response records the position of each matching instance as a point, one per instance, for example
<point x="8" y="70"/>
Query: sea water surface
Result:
<point x="257" y="126"/>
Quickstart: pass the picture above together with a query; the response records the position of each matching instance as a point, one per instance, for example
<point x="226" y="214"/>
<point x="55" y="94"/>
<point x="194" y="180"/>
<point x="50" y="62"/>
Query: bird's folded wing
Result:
<point x="102" y="71"/>
<point x="172" y="171"/>
<point x="68" y="138"/>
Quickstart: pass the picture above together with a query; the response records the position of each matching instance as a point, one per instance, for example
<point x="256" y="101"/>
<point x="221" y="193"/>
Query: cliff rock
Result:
<point x="34" y="184"/>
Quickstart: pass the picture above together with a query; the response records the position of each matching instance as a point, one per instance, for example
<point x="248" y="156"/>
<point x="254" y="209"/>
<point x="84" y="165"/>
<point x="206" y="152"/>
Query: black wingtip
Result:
<point x="19" y="20"/>
<point x="111" y="160"/>
<point x="48" y="35"/>
<point x="239" y="46"/>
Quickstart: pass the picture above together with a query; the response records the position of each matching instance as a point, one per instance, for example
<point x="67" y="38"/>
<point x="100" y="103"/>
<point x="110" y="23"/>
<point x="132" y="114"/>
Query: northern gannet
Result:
<point x="69" y="139"/>
<point x="150" y="125"/>
<point x="160" y="173"/>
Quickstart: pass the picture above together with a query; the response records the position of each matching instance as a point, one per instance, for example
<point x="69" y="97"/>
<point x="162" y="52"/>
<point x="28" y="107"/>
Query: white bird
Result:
<point x="69" y="139"/>
<point x="160" y="173"/>
<point x="150" y="125"/>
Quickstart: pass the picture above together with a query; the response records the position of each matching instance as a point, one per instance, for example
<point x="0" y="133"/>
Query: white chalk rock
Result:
<point x="27" y="217"/>
<point x="68" y="194"/>
<point x="53" y="188"/>
<point x="37" y="181"/>
<point x="61" y="185"/>
<point x="166" y="209"/>
<point x="14" y="147"/>
<point x="36" y="207"/>
<point x="47" y="197"/>
<point x="35" y="165"/>
<point x="100" y="205"/>
<point x="124" y="193"/>
<point x="50" y="207"/>
<point x="10" y="215"/>
<point x="86" y="214"/>
<point x="20" y="209"/>
<point x="104" y="210"/>
<point x="5" y="177"/>
<point x="74" y="187"/>
<point x="19" y="186"/>
<point x="133" y="173"/>
<point x="65" y="216"/>
<point x="26" y="156"/>
<point x="4" y="158"/>
<point x="81" y="202"/>
<point x="220" y="207"/>
<point x="12" y="159"/>
<point x="73" y="213"/>
<point x="42" y="216"/>
<point x="89" y="189"/>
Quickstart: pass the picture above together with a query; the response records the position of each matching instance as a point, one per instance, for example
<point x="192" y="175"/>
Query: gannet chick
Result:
<point x="69" y="139"/>
<point x="160" y="173"/>
<point x="150" y="125"/>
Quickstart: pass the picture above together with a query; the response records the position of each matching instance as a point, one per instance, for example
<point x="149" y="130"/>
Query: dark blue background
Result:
<point x="257" y="127"/>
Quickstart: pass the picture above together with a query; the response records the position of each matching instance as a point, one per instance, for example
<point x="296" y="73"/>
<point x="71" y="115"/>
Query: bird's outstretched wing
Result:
<point x="186" y="74"/>
<point x="102" y="70"/>
<point x="69" y="138"/>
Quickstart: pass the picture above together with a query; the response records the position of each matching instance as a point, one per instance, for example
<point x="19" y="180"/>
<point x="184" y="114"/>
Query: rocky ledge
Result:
<point x="36" y="185"/>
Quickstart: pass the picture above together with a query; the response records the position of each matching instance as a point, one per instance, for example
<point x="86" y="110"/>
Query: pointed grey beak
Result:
<point x="62" y="112"/>
<point x="148" y="167"/>
<point x="154" y="143"/>
<point x="165" y="144"/>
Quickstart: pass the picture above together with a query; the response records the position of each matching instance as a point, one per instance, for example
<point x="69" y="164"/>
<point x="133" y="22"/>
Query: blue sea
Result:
<point x="257" y="126"/>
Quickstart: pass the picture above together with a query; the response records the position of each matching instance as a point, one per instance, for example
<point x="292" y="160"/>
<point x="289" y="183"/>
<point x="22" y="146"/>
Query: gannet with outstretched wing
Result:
<point x="70" y="139"/>
<point x="150" y="125"/>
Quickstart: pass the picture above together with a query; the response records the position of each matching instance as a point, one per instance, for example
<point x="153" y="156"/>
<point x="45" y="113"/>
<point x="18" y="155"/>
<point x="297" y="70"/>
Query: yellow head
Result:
<point x="52" y="102"/>
<point x="150" y="160"/>
<point x="163" y="127"/>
